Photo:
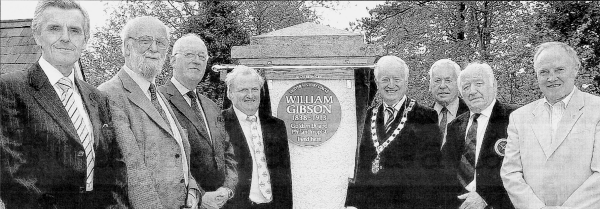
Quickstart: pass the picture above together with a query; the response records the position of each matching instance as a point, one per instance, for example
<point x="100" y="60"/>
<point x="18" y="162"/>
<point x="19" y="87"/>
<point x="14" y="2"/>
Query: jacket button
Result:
<point x="182" y="181"/>
<point x="176" y="155"/>
<point x="80" y="154"/>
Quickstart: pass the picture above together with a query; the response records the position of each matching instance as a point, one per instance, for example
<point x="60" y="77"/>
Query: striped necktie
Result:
<point x="68" y="100"/>
<point x="264" y="180"/>
<point x="388" y="123"/>
<point x="467" y="165"/>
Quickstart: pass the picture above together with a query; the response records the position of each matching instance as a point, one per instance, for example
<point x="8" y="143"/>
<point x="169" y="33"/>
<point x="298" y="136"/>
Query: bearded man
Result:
<point x="155" y="147"/>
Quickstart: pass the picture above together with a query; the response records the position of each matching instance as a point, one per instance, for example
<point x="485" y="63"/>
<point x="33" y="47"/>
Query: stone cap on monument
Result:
<point x="306" y="44"/>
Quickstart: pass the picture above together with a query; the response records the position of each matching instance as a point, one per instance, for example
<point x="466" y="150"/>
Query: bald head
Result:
<point x="189" y="59"/>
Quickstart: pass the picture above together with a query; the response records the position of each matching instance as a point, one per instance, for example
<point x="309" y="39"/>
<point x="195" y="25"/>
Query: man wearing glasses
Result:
<point x="155" y="146"/>
<point x="212" y="159"/>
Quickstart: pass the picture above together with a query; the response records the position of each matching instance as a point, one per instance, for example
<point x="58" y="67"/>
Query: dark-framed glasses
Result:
<point x="190" y="55"/>
<point x="146" y="41"/>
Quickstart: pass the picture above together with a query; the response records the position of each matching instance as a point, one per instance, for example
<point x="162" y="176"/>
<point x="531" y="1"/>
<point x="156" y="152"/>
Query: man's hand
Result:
<point x="192" y="199"/>
<point x="213" y="200"/>
<point x="224" y="195"/>
<point x="472" y="201"/>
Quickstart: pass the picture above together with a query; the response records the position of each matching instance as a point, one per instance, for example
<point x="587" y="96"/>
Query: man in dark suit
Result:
<point x="476" y="140"/>
<point x="57" y="148"/>
<point x="211" y="159"/>
<point x="154" y="144"/>
<point x="399" y="160"/>
<point x="444" y="90"/>
<point x="260" y="144"/>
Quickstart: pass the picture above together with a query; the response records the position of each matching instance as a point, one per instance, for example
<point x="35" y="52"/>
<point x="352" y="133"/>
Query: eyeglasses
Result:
<point x="190" y="55"/>
<point x="146" y="41"/>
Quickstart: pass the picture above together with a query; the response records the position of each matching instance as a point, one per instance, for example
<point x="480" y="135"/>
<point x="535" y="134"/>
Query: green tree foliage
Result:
<point x="576" y="23"/>
<point x="500" y="33"/>
<point x="222" y="25"/>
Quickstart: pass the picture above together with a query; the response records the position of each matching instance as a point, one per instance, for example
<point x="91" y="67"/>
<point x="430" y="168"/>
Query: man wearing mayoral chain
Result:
<point x="399" y="159"/>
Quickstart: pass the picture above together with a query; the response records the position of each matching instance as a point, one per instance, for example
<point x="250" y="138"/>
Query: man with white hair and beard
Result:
<point x="155" y="147"/>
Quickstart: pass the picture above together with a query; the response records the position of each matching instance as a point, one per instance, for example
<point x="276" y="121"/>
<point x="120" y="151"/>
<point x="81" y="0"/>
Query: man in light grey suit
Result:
<point x="155" y="147"/>
<point x="553" y="152"/>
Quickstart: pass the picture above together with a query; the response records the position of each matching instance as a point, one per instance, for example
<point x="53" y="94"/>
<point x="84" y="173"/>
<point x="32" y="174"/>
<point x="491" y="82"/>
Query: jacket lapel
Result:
<point x="173" y="95"/>
<point x="541" y="127"/>
<point x="90" y="102"/>
<point x="138" y="97"/>
<point x="492" y="130"/>
<point x="237" y="138"/>
<point x="47" y="98"/>
<point x="569" y="118"/>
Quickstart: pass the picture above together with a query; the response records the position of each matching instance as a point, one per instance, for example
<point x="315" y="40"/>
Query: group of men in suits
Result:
<point x="493" y="155"/>
<point x="129" y="143"/>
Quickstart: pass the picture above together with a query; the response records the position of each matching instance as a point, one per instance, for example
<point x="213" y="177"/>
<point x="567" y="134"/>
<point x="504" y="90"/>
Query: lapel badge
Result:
<point x="220" y="119"/>
<point x="500" y="146"/>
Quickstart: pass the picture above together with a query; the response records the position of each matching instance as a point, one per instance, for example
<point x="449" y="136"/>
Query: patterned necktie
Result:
<point x="390" y="112"/>
<point x="261" y="162"/>
<point x="467" y="165"/>
<point x="68" y="101"/>
<point x="444" y="121"/>
<point x="155" y="102"/>
<point x="194" y="104"/>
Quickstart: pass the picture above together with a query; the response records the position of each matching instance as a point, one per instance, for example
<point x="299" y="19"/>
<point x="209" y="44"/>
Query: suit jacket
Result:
<point x="412" y="174"/>
<point x="43" y="160"/>
<point x="212" y="163"/>
<point x="565" y="174"/>
<point x="489" y="184"/>
<point x="277" y="154"/>
<point x="152" y="154"/>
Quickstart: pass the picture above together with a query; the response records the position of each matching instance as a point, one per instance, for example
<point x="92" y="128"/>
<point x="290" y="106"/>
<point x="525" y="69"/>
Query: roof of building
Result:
<point x="309" y="29"/>
<point x="18" y="50"/>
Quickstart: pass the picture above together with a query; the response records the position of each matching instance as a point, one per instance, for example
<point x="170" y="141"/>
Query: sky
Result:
<point x="340" y="17"/>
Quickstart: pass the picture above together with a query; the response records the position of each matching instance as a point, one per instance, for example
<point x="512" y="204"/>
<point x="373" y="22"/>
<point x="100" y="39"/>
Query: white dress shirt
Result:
<point x="183" y="91"/>
<point x="555" y="113"/>
<point x="482" y="123"/>
<point x="53" y="76"/>
<point x="452" y="110"/>
<point x="145" y="86"/>
<point x="255" y="194"/>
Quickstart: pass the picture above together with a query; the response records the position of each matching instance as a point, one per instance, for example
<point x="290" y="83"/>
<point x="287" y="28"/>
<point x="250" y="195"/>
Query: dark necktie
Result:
<point x="444" y="120"/>
<point x="196" y="108"/>
<point x="390" y="112"/>
<point x="155" y="102"/>
<point x="467" y="165"/>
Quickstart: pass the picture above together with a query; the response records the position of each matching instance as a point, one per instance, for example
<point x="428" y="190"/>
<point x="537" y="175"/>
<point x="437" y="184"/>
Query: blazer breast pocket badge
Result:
<point x="500" y="146"/>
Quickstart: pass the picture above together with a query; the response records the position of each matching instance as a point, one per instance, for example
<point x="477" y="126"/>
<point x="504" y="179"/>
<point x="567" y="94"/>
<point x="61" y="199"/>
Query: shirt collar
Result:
<point x="488" y="110"/>
<point x="182" y="89"/>
<point x="452" y="107"/>
<point x="52" y="73"/>
<point x="397" y="105"/>
<point x="566" y="100"/>
<point x="141" y="81"/>
<point x="241" y="115"/>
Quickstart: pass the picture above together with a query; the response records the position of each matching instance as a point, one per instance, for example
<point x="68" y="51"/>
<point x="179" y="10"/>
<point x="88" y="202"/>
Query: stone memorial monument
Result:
<point x="318" y="82"/>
